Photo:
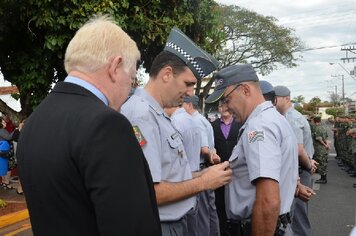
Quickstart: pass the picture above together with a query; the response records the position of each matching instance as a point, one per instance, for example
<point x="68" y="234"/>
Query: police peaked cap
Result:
<point x="234" y="74"/>
<point x="266" y="87"/>
<point x="199" y="61"/>
<point x="193" y="100"/>
<point x="281" y="91"/>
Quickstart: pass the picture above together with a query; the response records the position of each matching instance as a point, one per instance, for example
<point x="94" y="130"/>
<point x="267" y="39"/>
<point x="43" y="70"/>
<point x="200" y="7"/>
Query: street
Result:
<point x="332" y="211"/>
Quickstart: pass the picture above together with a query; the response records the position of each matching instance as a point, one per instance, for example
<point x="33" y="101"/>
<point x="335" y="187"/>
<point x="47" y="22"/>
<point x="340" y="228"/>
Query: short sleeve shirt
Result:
<point x="162" y="146"/>
<point x="203" y="132"/>
<point x="209" y="132"/>
<point x="189" y="129"/>
<point x="267" y="148"/>
<point x="301" y="129"/>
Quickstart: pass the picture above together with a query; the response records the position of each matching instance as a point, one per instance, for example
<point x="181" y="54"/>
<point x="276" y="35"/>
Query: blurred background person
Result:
<point x="225" y="130"/>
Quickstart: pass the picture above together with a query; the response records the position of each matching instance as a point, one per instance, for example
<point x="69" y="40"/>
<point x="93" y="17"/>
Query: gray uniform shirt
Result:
<point x="203" y="136"/>
<point x="301" y="130"/>
<point x="267" y="148"/>
<point x="209" y="132"/>
<point x="163" y="148"/>
<point x="190" y="131"/>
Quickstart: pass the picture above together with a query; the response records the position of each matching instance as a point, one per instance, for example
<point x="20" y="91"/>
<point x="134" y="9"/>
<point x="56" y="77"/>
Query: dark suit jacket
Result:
<point x="224" y="146"/>
<point x="82" y="169"/>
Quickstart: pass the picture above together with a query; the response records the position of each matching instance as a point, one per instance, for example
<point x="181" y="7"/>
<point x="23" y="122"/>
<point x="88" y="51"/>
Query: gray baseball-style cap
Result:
<point x="231" y="75"/>
<point x="281" y="91"/>
<point x="193" y="99"/>
<point x="199" y="61"/>
<point x="266" y="87"/>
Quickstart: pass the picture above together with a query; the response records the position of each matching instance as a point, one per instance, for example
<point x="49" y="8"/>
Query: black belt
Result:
<point x="284" y="220"/>
<point x="243" y="227"/>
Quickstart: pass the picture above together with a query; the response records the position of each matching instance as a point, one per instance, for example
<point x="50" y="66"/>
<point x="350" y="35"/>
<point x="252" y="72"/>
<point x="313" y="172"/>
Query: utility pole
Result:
<point x="347" y="57"/>
<point x="343" y="90"/>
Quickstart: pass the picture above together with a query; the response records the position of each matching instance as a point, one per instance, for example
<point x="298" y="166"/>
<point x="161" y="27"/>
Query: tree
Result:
<point x="34" y="35"/>
<point x="299" y="99"/>
<point x="313" y="104"/>
<point x="335" y="98"/>
<point x="255" y="39"/>
<point x="335" y="111"/>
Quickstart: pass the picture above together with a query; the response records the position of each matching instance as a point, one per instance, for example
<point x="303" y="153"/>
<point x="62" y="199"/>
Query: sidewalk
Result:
<point x="16" y="209"/>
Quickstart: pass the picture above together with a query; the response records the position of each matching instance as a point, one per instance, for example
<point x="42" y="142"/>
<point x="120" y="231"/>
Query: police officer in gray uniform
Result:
<point x="264" y="161"/>
<point x="302" y="191"/>
<point x="268" y="91"/>
<point x="191" y="136"/>
<point x="207" y="216"/>
<point x="301" y="128"/>
<point x="173" y="74"/>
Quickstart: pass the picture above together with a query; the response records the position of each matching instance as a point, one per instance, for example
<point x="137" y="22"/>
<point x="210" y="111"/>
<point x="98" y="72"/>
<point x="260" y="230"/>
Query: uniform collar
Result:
<point x="179" y="111"/>
<point x="259" y="109"/>
<point x="151" y="101"/>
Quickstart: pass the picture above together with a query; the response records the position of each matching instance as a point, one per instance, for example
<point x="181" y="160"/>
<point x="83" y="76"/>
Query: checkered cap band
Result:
<point x="188" y="57"/>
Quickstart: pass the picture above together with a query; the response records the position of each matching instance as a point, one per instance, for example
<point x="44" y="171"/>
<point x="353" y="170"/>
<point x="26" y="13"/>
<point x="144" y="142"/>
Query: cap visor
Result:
<point x="215" y="96"/>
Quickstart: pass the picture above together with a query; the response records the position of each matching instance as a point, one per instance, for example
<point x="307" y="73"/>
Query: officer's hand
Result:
<point x="214" y="158"/>
<point x="314" y="165"/>
<point x="304" y="193"/>
<point x="216" y="176"/>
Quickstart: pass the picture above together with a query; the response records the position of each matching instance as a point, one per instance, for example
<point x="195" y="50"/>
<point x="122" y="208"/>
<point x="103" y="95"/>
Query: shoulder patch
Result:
<point x="256" y="136"/>
<point x="141" y="140"/>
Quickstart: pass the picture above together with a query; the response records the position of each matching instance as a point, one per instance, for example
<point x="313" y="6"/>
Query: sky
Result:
<point x="323" y="26"/>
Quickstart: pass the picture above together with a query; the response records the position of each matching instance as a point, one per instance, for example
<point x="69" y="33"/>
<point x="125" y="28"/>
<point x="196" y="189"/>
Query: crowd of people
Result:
<point x="94" y="162"/>
<point x="345" y="144"/>
<point x="9" y="135"/>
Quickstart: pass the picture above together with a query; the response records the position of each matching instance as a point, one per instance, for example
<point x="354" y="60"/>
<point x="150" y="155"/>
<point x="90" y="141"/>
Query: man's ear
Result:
<point x="166" y="73"/>
<point x="246" y="89"/>
<point x="114" y="65"/>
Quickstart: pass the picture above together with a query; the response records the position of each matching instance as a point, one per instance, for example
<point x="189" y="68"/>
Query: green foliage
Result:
<point x="335" y="111"/>
<point x="300" y="109"/>
<point x="35" y="33"/>
<point x="312" y="106"/>
<point x="257" y="39"/>
<point x="299" y="99"/>
<point x="252" y="38"/>
<point x="315" y="101"/>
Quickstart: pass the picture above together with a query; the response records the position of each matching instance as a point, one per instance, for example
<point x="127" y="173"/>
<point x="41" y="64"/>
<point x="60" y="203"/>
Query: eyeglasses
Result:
<point x="224" y="99"/>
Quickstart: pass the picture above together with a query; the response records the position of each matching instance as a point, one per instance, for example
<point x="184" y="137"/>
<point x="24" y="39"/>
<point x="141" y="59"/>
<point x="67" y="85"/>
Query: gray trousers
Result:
<point x="175" y="228"/>
<point x="300" y="221"/>
<point x="207" y="217"/>
<point x="192" y="220"/>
